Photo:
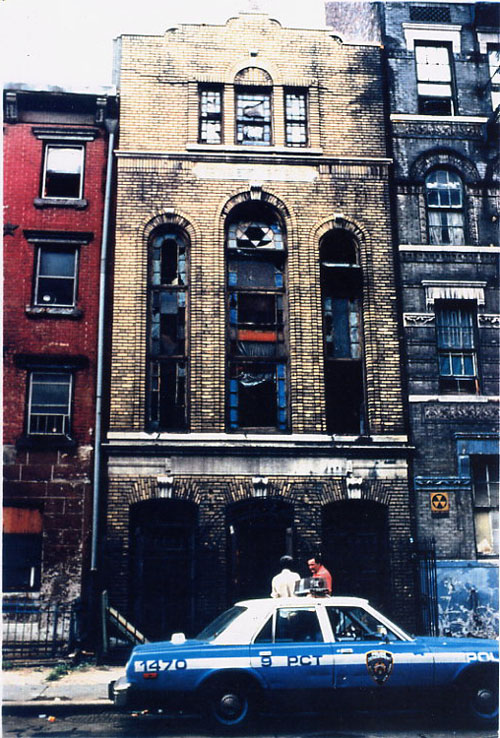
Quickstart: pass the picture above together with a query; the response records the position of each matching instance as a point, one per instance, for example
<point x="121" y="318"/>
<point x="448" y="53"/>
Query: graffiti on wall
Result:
<point x="468" y="598"/>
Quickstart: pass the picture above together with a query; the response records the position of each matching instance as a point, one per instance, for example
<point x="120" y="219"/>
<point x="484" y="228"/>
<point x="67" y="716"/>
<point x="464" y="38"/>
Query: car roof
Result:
<point x="264" y="603"/>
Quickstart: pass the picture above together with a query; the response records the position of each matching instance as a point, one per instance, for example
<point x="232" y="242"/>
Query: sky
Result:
<point x="69" y="43"/>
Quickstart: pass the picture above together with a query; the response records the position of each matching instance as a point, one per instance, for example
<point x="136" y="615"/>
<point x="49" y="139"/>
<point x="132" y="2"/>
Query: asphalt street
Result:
<point x="69" y="722"/>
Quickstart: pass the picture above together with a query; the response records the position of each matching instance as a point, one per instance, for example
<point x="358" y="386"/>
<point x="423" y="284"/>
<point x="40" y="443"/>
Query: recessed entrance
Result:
<point x="356" y="547"/>
<point x="162" y="566"/>
<point x="258" y="533"/>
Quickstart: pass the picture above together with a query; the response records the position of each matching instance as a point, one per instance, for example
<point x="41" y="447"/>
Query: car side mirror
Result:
<point x="178" y="639"/>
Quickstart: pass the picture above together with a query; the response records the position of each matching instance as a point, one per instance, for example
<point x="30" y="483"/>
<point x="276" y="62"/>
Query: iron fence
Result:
<point x="34" y="630"/>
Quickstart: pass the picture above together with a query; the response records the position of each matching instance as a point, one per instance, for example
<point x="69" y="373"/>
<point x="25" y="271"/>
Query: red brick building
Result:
<point x="55" y="148"/>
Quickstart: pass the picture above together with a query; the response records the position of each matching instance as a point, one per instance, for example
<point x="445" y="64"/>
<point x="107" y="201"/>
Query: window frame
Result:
<point x="206" y="117"/>
<point x="275" y="334"/>
<point x="262" y="90"/>
<point x="301" y="121"/>
<point x="491" y="510"/>
<point x="37" y="301"/>
<point x="67" y="417"/>
<point x="494" y="73"/>
<point x="423" y="98"/>
<point x="457" y="383"/>
<point x="161" y="363"/>
<point x="447" y="210"/>
<point x="51" y="145"/>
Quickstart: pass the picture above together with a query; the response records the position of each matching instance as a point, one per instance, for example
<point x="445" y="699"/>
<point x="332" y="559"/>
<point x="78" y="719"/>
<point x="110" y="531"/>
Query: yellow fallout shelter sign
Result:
<point x="440" y="502"/>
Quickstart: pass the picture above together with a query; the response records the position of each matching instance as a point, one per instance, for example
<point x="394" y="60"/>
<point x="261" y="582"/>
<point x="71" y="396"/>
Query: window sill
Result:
<point x="249" y="148"/>
<point x="60" y="202"/>
<point x="45" y="442"/>
<point x="38" y="311"/>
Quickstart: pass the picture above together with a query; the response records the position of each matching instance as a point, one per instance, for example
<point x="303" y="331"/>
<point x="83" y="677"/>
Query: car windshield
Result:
<point x="220" y="623"/>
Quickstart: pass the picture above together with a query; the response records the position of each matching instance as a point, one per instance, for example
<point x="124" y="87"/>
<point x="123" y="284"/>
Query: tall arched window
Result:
<point x="256" y="258"/>
<point x="341" y="292"/>
<point x="445" y="207"/>
<point x="167" y="335"/>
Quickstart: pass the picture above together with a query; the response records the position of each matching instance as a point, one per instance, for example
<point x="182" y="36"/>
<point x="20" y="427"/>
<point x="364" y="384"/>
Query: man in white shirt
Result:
<point x="283" y="584"/>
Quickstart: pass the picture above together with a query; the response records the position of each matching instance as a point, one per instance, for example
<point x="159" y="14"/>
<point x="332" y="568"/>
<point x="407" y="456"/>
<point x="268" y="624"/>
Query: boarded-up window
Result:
<point x="22" y="549"/>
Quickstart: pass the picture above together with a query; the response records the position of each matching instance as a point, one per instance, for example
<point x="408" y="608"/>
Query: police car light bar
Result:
<point x="315" y="586"/>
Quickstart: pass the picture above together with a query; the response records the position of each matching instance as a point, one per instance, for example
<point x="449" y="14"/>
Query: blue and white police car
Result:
<point x="259" y="651"/>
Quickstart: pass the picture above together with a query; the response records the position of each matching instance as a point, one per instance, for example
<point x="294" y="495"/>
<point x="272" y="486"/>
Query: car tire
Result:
<point x="229" y="703"/>
<point x="481" y="699"/>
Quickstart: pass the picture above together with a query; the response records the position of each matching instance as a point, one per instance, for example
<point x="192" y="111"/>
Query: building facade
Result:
<point x="442" y="64"/>
<point x="55" y="148"/>
<point x="256" y="396"/>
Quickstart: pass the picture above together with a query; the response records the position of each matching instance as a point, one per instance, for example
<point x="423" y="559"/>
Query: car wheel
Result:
<point x="482" y="700"/>
<point x="229" y="704"/>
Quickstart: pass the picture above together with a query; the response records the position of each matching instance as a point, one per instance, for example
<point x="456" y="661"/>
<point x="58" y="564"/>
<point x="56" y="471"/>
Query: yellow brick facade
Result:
<point x="340" y="180"/>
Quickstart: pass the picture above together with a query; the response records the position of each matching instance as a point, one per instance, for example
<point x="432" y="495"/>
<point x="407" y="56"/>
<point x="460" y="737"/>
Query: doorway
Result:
<point x="356" y="547"/>
<point x="162" y="540"/>
<point x="259" y="532"/>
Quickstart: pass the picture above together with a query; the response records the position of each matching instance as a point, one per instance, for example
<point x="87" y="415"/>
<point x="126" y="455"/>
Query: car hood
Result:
<point x="156" y="648"/>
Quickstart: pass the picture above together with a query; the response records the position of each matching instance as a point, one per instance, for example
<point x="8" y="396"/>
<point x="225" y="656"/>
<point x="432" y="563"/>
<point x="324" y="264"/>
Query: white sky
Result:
<point x="69" y="43"/>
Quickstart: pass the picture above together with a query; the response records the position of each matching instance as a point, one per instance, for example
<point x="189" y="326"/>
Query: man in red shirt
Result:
<point x="318" y="571"/>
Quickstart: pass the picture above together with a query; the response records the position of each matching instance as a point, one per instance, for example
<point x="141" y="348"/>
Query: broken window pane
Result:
<point x="253" y="117"/>
<point x="257" y="396"/>
<point x="63" y="172"/>
<point x="210" y="115"/>
<point x="296" y="118"/>
<point x="168" y="280"/>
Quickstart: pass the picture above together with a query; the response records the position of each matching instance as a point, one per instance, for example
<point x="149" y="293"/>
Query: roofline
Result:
<point x="109" y="90"/>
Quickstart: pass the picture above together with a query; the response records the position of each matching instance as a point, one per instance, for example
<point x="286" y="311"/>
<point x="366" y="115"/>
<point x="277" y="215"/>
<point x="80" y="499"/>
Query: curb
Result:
<point x="55" y="706"/>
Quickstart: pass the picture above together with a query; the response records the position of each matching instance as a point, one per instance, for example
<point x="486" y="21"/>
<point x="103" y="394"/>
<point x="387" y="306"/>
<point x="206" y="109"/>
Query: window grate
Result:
<point x="430" y="14"/>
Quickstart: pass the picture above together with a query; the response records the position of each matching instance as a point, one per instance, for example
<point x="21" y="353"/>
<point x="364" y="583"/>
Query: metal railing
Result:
<point x="35" y="630"/>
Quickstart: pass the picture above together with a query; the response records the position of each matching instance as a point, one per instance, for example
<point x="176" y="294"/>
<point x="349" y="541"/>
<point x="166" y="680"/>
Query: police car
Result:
<point x="261" y="650"/>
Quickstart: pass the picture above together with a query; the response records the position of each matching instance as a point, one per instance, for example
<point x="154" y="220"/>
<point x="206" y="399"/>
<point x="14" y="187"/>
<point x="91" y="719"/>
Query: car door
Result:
<point x="290" y="651"/>
<point x="366" y="653"/>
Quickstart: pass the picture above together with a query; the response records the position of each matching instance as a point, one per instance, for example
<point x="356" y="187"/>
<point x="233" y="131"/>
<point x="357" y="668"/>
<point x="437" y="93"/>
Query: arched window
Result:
<point x="445" y="203"/>
<point x="167" y="335"/>
<point x="341" y="299"/>
<point x="256" y="258"/>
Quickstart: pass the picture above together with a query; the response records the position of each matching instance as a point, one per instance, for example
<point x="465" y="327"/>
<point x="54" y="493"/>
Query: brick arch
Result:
<point x="443" y="158"/>
<point x="252" y="75"/>
<point x="339" y="222"/>
<point x="168" y="219"/>
<point x="255" y="194"/>
<point x="267" y="71"/>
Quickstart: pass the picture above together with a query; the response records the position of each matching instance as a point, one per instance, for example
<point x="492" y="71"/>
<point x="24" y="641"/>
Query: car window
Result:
<point x="356" y="624"/>
<point x="265" y="634"/>
<point x="220" y="623"/>
<point x="297" y="625"/>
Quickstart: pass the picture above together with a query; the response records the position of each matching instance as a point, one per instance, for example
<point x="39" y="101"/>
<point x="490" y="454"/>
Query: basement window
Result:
<point x="63" y="172"/>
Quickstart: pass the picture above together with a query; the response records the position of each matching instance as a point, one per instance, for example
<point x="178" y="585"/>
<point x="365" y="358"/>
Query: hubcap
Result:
<point x="485" y="700"/>
<point x="230" y="706"/>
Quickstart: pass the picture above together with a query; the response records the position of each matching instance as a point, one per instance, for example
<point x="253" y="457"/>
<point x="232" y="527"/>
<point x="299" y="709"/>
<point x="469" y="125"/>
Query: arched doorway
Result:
<point x="356" y="547"/>
<point x="258" y="533"/>
<point x="162" y="538"/>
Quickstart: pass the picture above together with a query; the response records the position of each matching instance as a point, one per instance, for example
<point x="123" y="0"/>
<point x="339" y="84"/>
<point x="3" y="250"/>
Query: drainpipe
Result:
<point x="111" y="127"/>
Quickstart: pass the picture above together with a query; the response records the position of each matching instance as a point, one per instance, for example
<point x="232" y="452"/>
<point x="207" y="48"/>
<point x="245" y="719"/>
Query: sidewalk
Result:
<point x="28" y="688"/>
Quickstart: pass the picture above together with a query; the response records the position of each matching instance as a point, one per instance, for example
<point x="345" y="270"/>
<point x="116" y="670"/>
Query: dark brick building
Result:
<point x="443" y="94"/>
<point x="256" y="400"/>
<point x="55" y="162"/>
